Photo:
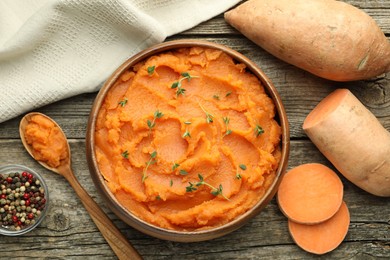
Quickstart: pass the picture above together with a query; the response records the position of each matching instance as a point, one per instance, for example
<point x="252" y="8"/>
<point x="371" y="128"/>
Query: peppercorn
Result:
<point x="22" y="198"/>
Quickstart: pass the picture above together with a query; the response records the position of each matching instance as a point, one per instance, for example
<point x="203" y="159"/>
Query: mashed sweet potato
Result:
<point x="187" y="139"/>
<point x="47" y="141"/>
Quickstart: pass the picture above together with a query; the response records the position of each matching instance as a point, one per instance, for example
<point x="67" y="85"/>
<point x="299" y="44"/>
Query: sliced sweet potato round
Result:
<point x="323" y="237"/>
<point x="310" y="193"/>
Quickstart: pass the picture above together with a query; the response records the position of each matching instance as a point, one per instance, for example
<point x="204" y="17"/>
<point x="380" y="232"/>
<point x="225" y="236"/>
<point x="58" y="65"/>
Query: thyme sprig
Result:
<point x="125" y="154"/>
<point x="258" y="130"/>
<point x="187" y="133"/>
<point x="178" y="84"/>
<point x="152" y="160"/>
<point x="226" y="120"/>
<point x="151" y="124"/>
<point x="209" y="117"/>
<point x="123" y="102"/>
<point x="238" y="175"/>
<point x="215" y="191"/>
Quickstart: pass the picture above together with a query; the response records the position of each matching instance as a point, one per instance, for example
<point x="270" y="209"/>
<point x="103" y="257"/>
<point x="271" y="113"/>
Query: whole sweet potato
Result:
<point x="328" y="38"/>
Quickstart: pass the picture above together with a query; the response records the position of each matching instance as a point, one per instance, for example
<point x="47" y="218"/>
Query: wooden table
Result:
<point x="68" y="232"/>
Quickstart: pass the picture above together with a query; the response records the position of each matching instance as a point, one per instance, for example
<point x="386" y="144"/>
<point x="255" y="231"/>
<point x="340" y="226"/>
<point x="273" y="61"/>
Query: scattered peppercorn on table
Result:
<point x="68" y="231"/>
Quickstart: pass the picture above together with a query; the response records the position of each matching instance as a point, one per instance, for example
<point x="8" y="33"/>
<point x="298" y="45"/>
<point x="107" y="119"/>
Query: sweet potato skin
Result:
<point x="353" y="140"/>
<point x="331" y="39"/>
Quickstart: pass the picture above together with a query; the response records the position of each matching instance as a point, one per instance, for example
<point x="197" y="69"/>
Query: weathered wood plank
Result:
<point x="68" y="232"/>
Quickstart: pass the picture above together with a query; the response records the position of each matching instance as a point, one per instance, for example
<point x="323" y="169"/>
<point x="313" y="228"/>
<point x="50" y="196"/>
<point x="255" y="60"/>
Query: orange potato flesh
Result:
<point x="310" y="193"/>
<point x="353" y="140"/>
<point x="47" y="141"/>
<point x="323" y="237"/>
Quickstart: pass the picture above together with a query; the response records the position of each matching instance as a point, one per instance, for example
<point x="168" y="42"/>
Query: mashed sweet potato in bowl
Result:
<point x="187" y="141"/>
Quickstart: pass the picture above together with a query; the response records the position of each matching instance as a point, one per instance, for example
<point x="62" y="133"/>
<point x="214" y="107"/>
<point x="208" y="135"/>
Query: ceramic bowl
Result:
<point x="31" y="202"/>
<point x="185" y="236"/>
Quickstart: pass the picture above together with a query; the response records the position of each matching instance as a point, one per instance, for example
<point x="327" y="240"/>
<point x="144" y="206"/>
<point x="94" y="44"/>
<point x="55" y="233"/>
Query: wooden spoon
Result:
<point x="119" y="244"/>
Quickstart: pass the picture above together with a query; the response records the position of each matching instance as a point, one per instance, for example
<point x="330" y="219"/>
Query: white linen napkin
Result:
<point x="54" y="49"/>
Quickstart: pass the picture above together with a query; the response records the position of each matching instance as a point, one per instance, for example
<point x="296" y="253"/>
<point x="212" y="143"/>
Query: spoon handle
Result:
<point x="119" y="244"/>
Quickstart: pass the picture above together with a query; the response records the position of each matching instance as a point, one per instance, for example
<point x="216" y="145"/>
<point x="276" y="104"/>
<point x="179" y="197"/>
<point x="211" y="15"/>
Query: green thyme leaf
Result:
<point x="238" y="175"/>
<point x="150" y="124"/>
<point x="217" y="191"/>
<point x="183" y="172"/>
<point x="180" y="91"/>
<point x="176" y="84"/>
<point x="125" y="154"/>
<point x="158" y="114"/>
<point x="186" y="75"/>
<point x="258" y="130"/>
<point x="175" y="166"/>
<point x="186" y="134"/>
<point x="151" y="70"/>
<point x="123" y="102"/>
<point x="191" y="187"/>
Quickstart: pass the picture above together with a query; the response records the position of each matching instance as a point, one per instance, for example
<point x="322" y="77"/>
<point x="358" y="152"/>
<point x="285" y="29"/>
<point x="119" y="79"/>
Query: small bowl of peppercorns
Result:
<point x="23" y="199"/>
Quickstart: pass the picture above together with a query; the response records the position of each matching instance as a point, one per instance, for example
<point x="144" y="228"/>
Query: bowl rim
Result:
<point x="174" y="235"/>
<point x="9" y="168"/>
